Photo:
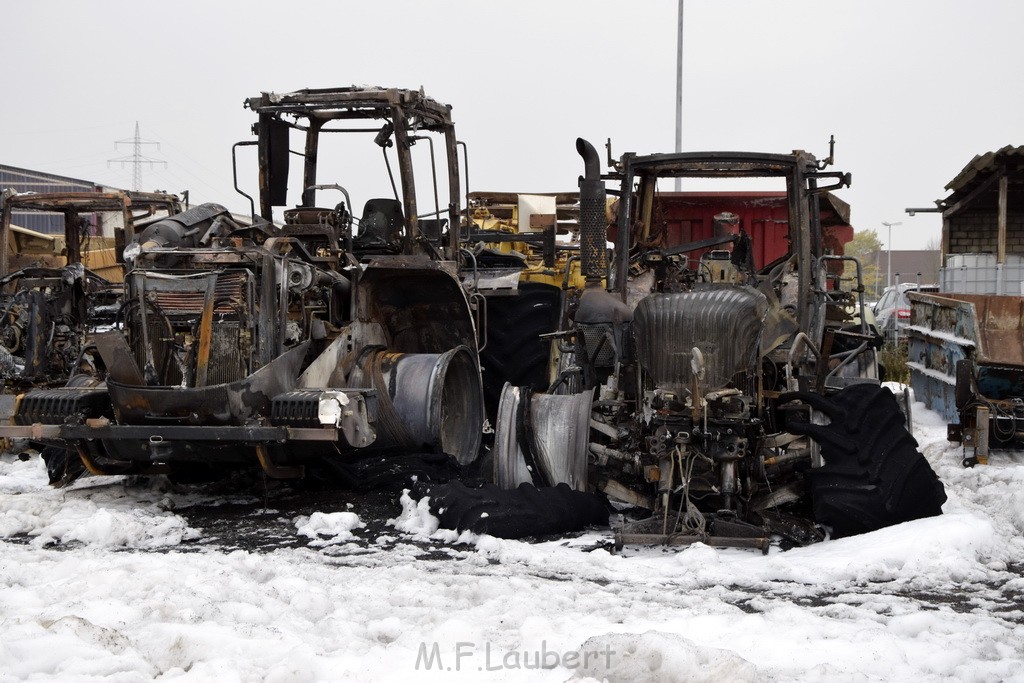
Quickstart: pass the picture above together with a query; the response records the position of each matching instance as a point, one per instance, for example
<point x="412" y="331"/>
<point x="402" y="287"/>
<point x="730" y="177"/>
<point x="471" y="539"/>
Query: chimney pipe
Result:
<point x="593" y="220"/>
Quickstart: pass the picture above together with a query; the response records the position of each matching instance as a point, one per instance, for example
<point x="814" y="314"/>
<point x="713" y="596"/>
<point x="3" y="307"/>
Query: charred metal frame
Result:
<point x="408" y="111"/>
<point x="58" y="305"/>
<point x="678" y="362"/>
<point x="73" y="204"/>
<point x="800" y="171"/>
<point x="338" y="347"/>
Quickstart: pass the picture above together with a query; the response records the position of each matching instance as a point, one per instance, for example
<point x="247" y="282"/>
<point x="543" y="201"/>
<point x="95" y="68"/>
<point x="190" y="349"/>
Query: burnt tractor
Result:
<point x="526" y="251"/>
<point x="290" y="339"/>
<point x="732" y="401"/>
<point x="57" y="288"/>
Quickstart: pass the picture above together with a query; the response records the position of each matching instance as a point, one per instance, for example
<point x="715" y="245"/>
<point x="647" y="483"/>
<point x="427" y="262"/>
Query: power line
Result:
<point x="136" y="158"/>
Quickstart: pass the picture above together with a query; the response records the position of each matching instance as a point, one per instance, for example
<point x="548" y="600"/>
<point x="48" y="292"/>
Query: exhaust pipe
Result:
<point x="593" y="221"/>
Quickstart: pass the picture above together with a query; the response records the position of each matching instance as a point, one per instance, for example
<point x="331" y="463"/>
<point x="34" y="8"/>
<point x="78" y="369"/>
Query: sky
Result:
<point x="912" y="90"/>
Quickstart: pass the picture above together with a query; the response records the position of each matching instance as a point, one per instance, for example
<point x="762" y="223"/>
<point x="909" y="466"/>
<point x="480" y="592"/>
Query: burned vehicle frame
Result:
<point x="67" y="285"/>
<point x="728" y="401"/>
<point x="291" y="343"/>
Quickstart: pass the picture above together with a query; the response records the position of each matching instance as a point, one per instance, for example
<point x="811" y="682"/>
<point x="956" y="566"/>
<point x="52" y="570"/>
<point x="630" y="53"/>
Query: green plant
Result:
<point x="893" y="356"/>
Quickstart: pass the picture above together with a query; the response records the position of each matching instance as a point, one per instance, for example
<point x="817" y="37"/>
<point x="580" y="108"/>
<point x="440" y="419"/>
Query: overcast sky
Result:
<point x="911" y="89"/>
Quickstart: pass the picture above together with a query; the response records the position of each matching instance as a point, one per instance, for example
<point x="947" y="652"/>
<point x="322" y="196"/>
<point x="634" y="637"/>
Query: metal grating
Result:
<point x="723" y="322"/>
<point x="599" y="341"/>
<point x="175" y="306"/>
<point x="229" y="291"/>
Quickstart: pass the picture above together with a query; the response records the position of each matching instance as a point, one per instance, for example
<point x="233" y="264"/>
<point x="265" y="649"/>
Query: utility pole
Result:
<point x="878" y="274"/>
<point x="136" y="159"/>
<point x="679" y="91"/>
<point x="888" y="248"/>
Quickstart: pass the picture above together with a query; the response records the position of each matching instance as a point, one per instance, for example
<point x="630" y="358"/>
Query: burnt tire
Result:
<point x="873" y="475"/>
<point x="190" y="474"/>
<point x="517" y="513"/>
<point x="515" y="353"/>
<point x="376" y="472"/>
<point x="63" y="466"/>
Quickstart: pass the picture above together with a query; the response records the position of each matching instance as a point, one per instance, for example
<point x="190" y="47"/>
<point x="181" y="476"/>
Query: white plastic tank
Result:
<point x="980" y="274"/>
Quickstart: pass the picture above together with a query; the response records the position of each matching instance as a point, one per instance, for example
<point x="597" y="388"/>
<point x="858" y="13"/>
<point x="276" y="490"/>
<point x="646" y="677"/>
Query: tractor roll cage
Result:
<point x="800" y="170"/>
<point x="409" y="112"/>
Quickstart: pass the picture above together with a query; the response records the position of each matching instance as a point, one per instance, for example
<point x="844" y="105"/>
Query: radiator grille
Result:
<point x="600" y="344"/>
<point x="229" y="292"/>
<point x="173" y="309"/>
<point x="227" y="363"/>
<point x="723" y="322"/>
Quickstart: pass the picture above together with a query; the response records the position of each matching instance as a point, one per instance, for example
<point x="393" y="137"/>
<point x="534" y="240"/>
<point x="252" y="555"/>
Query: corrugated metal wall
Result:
<point x="25" y="180"/>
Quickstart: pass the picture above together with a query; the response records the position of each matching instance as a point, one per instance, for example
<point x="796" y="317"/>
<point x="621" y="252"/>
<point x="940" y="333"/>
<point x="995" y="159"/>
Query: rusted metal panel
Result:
<point x="985" y="330"/>
<point x="205" y="334"/>
<point x="689" y="217"/>
<point x="1001" y="325"/>
<point x="993" y="323"/>
<point x="233" y="403"/>
<point x="121" y="364"/>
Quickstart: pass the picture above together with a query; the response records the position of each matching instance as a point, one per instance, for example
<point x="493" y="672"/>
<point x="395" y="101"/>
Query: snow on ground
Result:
<point x="106" y="580"/>
<point x="336" y="526"/>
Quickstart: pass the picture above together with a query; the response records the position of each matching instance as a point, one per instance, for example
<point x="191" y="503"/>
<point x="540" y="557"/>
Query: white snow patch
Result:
<point x="101" y="513"/>
<point x="931" y="600"/>
<point x="335" y="526"/>
<point x="416" y="518"/>
<point x="417" y="521"/>
<point x="654" y="656"/>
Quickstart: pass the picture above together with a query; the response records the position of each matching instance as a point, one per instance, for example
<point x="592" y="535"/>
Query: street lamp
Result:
<point x="888" y="248"/>
<point x="679" y="91"/>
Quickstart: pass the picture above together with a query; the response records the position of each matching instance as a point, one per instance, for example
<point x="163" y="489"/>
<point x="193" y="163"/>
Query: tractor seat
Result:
<point x="382" y="225"/>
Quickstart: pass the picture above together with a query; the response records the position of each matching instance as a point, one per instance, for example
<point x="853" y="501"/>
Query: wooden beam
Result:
<point x="944" y="248"/>
<point x="975" y="193"/>
<point x="1001" y="224"/>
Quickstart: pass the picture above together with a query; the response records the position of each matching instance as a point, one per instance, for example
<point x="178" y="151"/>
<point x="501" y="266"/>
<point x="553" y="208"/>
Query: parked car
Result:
<point x="892" y="312"/>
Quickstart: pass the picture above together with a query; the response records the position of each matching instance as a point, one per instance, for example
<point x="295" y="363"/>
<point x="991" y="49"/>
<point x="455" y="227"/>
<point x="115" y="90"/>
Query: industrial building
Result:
<point x="26" y="180"/>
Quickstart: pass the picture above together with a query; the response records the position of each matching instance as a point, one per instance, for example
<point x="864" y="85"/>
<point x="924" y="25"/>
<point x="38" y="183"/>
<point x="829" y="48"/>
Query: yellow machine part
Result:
<point x="28" y="248"/>
<point x="535" y="271"/>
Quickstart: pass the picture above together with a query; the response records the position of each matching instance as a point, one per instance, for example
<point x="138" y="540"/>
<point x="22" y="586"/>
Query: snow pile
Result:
<point x="655" y="657"/>
<point x="417" y="521"/>
<point x="335" y="526"/>
<point x="94" y="512"/>
<point x="935" y="599"/>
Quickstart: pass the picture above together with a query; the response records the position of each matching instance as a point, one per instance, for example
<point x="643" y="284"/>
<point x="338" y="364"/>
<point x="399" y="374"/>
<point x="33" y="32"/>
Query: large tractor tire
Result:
<point x="873" y="476"/>
<point x="381" y="471"/>
<point x="515" y="353"/>
<point x="516" y="513"/>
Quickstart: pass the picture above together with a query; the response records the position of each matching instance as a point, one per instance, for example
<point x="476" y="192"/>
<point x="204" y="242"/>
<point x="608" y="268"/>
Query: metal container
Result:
<point x="966" y="358"/>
